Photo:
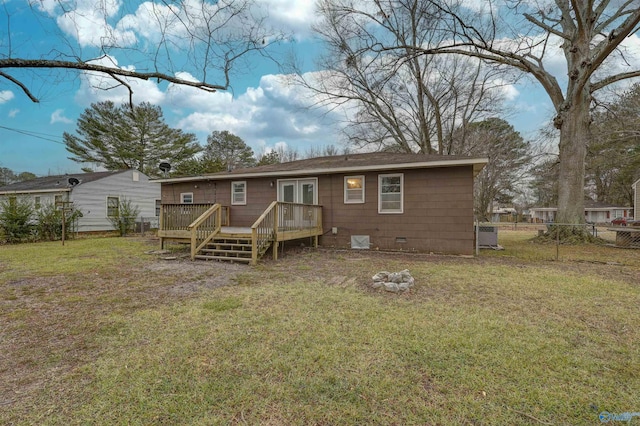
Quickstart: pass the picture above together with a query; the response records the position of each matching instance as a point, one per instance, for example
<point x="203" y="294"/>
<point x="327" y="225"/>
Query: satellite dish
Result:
<point x="73" y="181"/>
<point x="164" y="167"/>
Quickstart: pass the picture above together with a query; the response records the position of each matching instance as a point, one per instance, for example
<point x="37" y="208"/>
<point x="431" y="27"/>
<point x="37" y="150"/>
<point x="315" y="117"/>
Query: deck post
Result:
<point x="193" y="244"/>
<point x="254" y="246"/>
<point x="160" y="226"/>
<point x="276" y="243"/>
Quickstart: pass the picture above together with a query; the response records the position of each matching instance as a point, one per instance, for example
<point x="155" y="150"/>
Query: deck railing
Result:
<point x="178" y="217"/>
<point x="263" y="231"/>
<point x="279" y="219"/>
<point x="298" y="217"/>
<point x="204" y="228"/>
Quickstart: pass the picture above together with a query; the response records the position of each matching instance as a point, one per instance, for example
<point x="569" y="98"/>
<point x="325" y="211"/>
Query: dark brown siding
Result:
<point x="260" y="194"/>
<point x="437" y="217"/>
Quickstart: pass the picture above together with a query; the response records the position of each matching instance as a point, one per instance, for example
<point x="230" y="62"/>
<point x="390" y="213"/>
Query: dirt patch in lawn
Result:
<point x="51" y="326"/>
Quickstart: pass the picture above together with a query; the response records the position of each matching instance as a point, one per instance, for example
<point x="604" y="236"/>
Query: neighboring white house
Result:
<point x="593" y="212"/>
<point x="636" y="199"/>
<point x="97" y="195"/>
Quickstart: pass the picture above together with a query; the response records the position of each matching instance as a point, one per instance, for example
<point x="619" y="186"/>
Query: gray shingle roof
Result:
<point x="366" y="161"/>
<point x="54" y="182"/>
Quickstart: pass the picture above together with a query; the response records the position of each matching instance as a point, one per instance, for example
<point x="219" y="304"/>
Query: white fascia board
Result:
<point x="478" y="164"/>
<point x="34" y="191"/>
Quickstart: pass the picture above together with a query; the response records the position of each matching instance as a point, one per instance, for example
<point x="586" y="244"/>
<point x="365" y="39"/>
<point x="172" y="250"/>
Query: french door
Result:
<point x="300" y="191"/>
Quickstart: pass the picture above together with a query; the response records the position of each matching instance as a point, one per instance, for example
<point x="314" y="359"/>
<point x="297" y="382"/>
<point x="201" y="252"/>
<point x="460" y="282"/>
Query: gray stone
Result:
<point x="394" y="282"/>
<point x="392" y="287"/>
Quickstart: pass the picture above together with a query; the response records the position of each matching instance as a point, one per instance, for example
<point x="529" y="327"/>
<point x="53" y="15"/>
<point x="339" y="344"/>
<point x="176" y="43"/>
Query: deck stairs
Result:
<point x="231" y="248"/>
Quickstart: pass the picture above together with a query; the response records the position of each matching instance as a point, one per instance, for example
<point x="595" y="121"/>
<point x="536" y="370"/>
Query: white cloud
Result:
<point x="272" y="112"/>
<point x="295" y="16"/>
<point x="97" y="87"/>
<point x="6" y="96"/>
<point x="88" y="22"/>
<point x="58" y="117"/>
<point x="13" y="113"/>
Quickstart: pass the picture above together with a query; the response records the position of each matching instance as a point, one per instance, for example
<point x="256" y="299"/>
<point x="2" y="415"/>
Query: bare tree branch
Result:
<point x="21" y="86"/>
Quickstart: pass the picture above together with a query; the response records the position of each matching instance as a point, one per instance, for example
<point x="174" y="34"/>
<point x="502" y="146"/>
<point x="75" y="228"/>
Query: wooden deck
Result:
<point x="207" y="226"/>
<point x="184" y="236"/>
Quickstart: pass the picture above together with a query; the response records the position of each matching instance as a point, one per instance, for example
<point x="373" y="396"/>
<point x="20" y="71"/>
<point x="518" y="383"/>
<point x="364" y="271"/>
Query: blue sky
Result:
<point x="262" y="108"/>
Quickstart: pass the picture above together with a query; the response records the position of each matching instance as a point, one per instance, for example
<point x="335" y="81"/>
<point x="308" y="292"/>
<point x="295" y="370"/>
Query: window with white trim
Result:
<point x="353" y="189"/>
<point x="113" y="204"/>
<point x="390" y="193"/>
<point x="158" y="207"/>
<point x="37" y="203"/>
<point x="186" y="198"/>
<point x="238" y="193"/>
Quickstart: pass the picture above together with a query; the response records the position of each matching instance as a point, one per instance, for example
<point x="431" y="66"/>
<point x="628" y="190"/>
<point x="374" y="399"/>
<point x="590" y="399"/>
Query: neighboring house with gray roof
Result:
<point x="96" y="195"/>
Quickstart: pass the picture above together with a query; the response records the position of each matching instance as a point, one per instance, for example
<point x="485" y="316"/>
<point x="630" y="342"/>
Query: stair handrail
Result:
<point x="263" y="231"/>
<point x="201" y="235"/>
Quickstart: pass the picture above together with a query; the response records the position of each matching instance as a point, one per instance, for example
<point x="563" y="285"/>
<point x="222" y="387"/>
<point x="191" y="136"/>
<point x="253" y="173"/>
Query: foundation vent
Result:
<point x="360" y="242"/>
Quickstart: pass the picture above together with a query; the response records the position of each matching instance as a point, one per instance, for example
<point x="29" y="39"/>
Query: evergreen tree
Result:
<point x="229" y="150"/>
<point x="128" y="137"/>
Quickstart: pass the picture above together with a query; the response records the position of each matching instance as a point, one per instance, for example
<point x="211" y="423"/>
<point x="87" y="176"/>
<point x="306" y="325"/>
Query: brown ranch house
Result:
<point x="385" y="201"/>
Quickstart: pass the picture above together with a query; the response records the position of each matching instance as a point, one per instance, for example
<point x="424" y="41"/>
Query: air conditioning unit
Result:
<point x="487" y="236"/>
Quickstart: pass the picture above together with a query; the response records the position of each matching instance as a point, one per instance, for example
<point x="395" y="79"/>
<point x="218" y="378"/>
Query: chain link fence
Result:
<point x="555" y="241"/>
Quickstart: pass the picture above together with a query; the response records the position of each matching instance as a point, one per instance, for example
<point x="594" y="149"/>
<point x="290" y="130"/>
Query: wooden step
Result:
<point x="229" y="246"/>
<point x="231" y="241"/>
<point x="224" y="258"/>
<point x="221" y="250"/>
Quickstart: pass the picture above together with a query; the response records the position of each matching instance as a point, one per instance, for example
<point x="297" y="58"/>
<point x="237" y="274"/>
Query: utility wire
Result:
<point x="43" y="136"/>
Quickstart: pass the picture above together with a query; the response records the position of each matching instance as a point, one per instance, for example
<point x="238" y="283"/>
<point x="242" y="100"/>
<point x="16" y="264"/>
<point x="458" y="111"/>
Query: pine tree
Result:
<point x="128" y="137"/>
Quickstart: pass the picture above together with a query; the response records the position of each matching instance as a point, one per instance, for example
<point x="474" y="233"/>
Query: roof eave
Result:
<point x="32" y="191"/>
<point x="477" y="163"/>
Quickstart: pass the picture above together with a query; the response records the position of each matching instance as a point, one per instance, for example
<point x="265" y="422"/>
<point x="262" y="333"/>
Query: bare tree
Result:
<point x="193" y="43"/>
<point x="510" y="158"/>
<point x="395" y="99"/>
<point x="613" y="159"/>
<point x="524" y="35"/>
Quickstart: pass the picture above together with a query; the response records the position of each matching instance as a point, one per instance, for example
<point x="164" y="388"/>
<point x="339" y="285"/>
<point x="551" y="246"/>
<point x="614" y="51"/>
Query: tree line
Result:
<point x="411" y="72"/>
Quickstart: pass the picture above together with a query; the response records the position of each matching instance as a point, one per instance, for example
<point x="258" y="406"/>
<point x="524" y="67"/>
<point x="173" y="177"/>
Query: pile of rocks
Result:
<point x="394" y="282"/>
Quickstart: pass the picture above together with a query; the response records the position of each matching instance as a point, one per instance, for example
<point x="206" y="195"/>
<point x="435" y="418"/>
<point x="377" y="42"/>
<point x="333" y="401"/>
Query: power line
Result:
<point x="43" y="136"/>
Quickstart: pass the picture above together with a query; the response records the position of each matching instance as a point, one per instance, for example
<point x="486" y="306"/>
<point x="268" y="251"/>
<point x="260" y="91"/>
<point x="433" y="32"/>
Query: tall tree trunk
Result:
<point x="574" y="138"/>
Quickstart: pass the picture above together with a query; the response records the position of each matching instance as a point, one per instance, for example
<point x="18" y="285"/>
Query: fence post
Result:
<point x="557" y="241"/>
<point x="477" y="238"/>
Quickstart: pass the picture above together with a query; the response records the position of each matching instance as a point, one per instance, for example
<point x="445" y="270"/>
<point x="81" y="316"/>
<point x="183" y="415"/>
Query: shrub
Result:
<point x="125" y="219"/>
<point x="49" y="222"/>
<point x="15" y="219"/>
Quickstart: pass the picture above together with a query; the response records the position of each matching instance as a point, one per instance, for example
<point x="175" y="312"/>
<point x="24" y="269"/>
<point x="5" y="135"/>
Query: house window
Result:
<point x="158" y="206"/>
<point x="186" y="198"/>
<point x="239" y="193"/>
<point x="353" y="189"/>
<point x="112" y="206"/>
<point x="390" y="197"/>
<point x="57" y="200"/>
<point x="37" y="203"/>
<point x="13" y="201"/>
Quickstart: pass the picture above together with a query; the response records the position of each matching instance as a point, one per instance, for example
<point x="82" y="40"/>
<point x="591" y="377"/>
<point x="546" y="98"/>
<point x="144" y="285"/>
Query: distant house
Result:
<point x="593" y="212"/>
<point x="375" y="200"/>
<point x="636" y="199"/>
<point x="504" y="214"/>
<point x="97" y="195"/>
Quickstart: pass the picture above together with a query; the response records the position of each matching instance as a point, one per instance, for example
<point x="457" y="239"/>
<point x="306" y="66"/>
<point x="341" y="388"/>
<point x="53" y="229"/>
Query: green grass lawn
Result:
<point x="97" y="332"/>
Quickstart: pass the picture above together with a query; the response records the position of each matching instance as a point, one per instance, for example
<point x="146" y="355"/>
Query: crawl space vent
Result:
<point x="360" y="242"/>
